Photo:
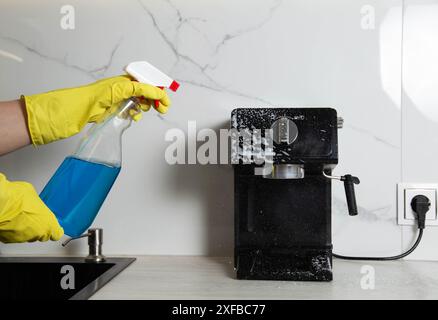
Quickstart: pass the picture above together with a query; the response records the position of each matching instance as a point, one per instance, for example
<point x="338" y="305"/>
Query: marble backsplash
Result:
<point x="226" y="54"/>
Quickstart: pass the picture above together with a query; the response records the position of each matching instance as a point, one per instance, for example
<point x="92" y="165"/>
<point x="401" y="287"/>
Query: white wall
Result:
<point x="228" y="54"/>
<point x="420" y="107"/>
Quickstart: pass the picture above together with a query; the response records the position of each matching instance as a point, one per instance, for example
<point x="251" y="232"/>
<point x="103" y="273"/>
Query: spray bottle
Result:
<point x="80" y="185"/>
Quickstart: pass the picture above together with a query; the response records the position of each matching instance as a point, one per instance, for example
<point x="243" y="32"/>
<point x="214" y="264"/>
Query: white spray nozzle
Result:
<point x="144" y="72"/>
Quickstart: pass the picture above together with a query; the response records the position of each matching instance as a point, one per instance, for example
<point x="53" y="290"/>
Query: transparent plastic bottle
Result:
<point x="80" y="185"/>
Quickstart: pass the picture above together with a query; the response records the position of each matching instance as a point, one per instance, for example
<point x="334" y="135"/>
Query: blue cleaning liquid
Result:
<point x="76" y="192"/>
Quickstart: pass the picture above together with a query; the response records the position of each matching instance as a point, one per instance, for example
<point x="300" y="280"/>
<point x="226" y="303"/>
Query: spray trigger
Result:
<point x="144" y="72"/>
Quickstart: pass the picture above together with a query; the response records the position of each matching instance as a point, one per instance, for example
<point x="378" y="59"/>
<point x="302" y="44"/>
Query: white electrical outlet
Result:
<point x="406" y="192"/>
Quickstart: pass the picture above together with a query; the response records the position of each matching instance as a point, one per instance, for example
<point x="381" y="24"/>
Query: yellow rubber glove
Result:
<point x="23" y="215"/>
<point x="62" y="113"/>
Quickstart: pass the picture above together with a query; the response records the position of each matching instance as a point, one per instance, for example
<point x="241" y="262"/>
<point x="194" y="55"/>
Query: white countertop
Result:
<point x="186" y="277"/>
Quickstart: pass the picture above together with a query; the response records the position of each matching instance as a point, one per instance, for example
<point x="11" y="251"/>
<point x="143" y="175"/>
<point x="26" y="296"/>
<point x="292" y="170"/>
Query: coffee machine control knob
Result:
<point x="284" y="131"/>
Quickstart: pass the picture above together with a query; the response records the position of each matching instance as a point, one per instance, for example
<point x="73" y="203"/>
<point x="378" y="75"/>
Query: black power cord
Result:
<point x="420" y="205"/>
<point x="420" y="234"/>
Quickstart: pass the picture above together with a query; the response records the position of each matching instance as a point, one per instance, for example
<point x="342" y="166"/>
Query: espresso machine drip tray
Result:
<point x="300" y="264"/>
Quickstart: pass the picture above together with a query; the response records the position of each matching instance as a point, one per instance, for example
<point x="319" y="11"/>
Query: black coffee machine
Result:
<point x="283" y="206"/>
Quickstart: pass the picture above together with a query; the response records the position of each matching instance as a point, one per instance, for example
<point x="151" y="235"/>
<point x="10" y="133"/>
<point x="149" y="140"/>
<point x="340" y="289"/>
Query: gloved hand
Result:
<point x="23" y="215"/>
<point x="62" y="113"/>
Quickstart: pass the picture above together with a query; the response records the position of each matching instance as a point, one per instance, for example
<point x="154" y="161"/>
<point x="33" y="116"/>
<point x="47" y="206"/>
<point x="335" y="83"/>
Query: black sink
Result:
<point x="56" y="278"/>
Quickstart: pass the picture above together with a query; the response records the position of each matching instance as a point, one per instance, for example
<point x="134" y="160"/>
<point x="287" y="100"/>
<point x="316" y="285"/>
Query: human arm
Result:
<point x="13" y="126"/>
